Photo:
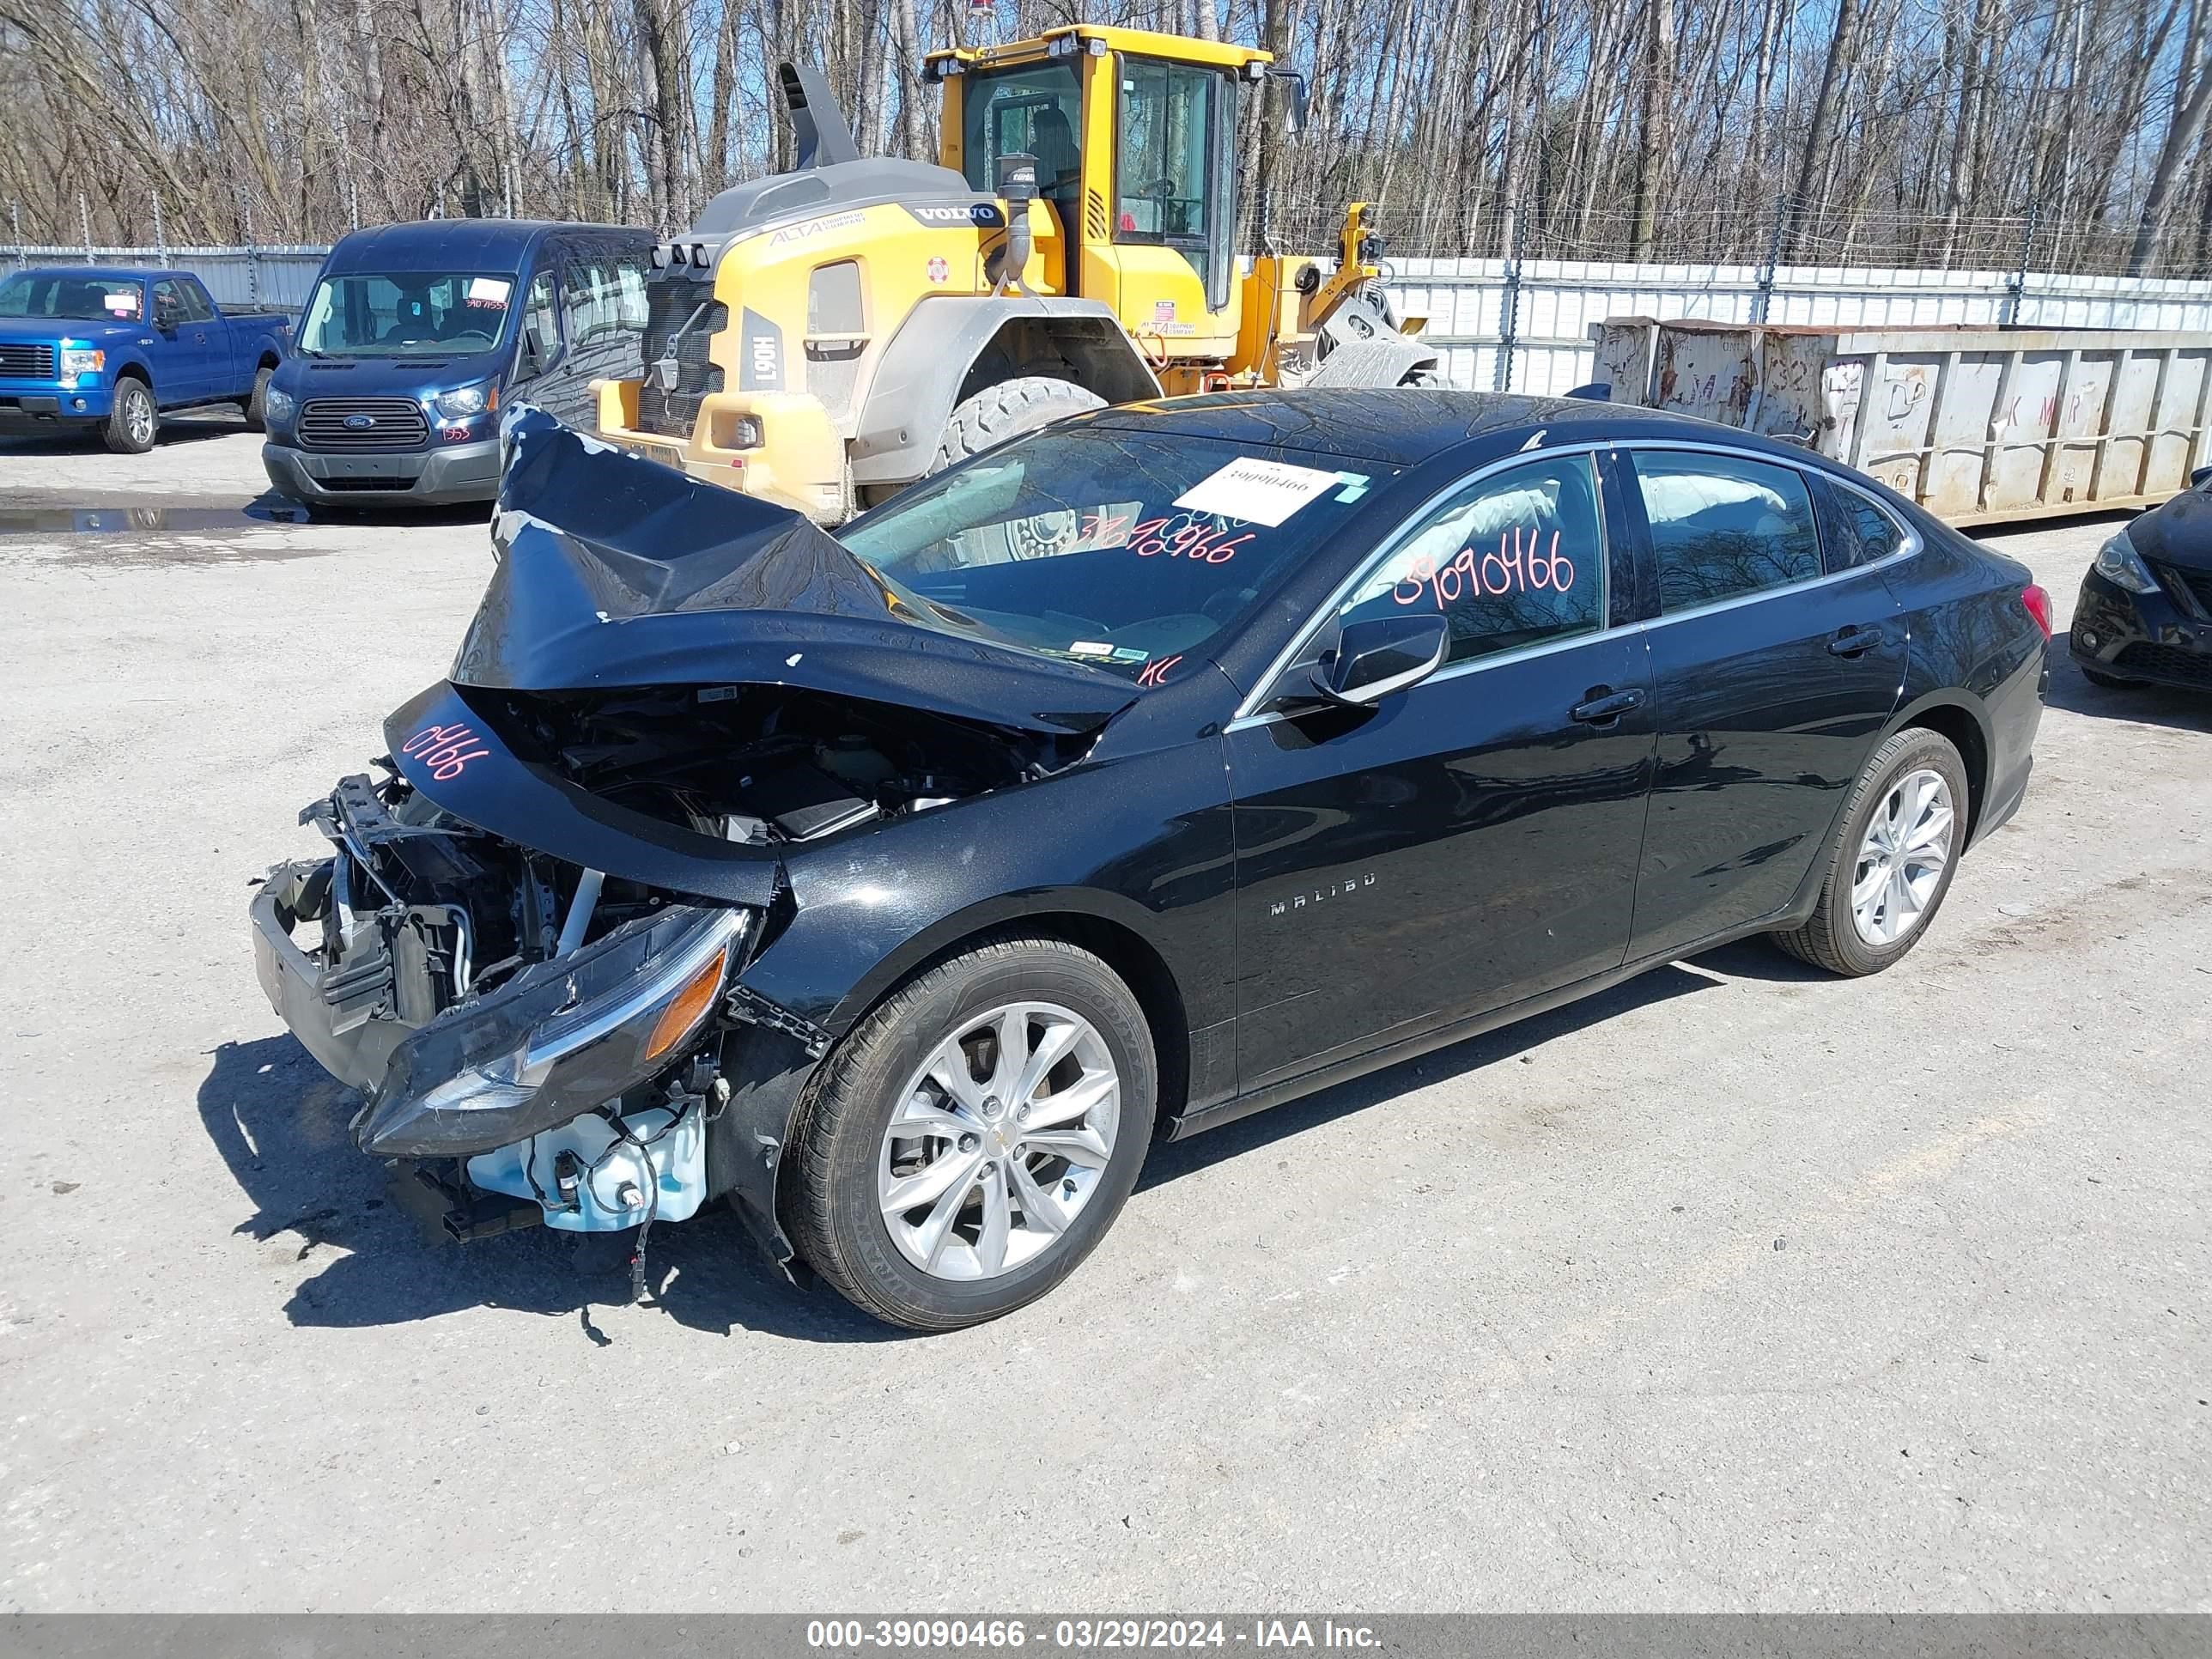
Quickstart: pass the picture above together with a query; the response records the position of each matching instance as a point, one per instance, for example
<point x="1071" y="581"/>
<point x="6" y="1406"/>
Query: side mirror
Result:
<point x="1294" y="89"/>
<point x="1383" y="654"/>
<point x="2201" y="479"/>
<point x="165" y="314"/>
<point x="533" y="348"/>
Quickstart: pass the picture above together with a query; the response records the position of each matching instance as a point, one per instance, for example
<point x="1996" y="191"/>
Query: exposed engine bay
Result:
<point x="766" y="764"/>
<point x="527" y="944"/>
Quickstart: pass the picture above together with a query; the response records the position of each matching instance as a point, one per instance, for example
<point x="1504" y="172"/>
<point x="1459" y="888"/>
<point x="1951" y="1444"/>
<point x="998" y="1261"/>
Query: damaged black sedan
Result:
<point x="901" y="885"/>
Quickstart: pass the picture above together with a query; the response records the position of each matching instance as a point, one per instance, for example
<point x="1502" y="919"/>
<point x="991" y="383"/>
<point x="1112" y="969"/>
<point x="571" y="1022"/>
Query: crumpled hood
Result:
<point x="615" y="571"/>
<point x="2180" y="533"/>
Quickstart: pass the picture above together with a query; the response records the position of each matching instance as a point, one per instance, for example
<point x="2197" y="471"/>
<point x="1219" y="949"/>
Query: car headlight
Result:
<point x="558" y="1040"/>
<point x="78" y="360"/>
<point x="278" y="405"/>
<point x="465" y="401"/>
<point x="2119" y="563"/>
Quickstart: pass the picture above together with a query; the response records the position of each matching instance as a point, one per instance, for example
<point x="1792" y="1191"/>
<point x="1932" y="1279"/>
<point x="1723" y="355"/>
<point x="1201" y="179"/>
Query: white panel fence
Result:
<point x="238" y="278"/>
<point x="1528" y="329"/>
<point x="1502" y="327"/>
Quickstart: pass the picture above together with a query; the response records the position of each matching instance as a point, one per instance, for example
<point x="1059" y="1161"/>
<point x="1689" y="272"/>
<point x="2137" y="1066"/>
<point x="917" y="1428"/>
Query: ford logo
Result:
<point x="360" y="422"/>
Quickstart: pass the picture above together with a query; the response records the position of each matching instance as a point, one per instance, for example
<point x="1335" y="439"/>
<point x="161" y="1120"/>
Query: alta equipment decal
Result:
<point x="814" y="227"/>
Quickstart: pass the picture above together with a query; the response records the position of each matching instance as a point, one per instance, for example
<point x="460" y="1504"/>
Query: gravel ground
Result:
<point x="1734" y="1288"/>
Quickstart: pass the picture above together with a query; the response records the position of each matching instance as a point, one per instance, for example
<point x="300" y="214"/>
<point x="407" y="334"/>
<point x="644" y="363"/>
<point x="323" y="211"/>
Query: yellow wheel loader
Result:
<point x="824" y="337"/>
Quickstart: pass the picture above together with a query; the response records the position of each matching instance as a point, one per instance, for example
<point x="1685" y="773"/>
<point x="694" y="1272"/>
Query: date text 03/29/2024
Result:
<point x="1084" y="1635"/>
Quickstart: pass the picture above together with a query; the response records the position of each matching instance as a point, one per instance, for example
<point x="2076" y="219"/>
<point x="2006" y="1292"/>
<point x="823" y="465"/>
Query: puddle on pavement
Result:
<point x="122" y="520"/>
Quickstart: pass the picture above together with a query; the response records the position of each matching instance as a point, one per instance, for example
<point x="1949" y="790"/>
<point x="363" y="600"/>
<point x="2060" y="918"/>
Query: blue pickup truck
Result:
<point x="102" y="348"/>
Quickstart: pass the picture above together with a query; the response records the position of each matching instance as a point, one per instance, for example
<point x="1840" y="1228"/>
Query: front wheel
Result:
<point x="132" y="420"/>
<point x="969" y="1142"/>
<point x="255" y="402"/>
<point x="1892" y="858"/>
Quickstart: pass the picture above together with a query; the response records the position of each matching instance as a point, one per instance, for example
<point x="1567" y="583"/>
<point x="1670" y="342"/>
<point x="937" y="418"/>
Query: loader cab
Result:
<point x="1135" y="138"/>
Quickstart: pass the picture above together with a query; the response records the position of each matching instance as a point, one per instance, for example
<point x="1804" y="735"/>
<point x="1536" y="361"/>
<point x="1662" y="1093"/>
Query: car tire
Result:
<point x="133" y="422"/>
<point x="2110" y="682"/>
<point x="1007" y="410"/>
<point x="255" y="402"/>
<point x="848" y="1165"/>
<point x="1846" y="937"/>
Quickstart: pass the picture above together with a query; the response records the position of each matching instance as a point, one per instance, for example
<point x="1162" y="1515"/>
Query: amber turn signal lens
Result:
<point x="687" y="1007"/>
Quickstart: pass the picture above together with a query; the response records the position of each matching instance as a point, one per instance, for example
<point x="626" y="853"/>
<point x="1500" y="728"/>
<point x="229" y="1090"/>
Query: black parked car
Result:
<point x="2145" y="613"/>
<point x="1186" y="757"/>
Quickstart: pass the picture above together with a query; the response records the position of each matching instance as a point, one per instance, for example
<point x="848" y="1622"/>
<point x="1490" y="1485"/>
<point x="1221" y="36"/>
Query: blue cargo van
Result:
<point x="415" y="336"/>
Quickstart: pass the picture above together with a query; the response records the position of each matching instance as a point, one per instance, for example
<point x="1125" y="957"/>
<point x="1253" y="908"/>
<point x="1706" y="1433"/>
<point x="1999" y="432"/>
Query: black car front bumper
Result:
<point x="2165" y="637"/>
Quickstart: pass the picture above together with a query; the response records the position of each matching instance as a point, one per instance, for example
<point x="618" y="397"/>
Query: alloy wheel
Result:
<point x="1902" y="857"/>
<point x="999" y="1140"/>
<point x="140" y="417"/>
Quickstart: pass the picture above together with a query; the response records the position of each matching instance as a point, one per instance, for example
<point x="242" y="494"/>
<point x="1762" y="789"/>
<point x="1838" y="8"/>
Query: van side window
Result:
<point x="538" y="316"/>
<point x="602" y="295"/>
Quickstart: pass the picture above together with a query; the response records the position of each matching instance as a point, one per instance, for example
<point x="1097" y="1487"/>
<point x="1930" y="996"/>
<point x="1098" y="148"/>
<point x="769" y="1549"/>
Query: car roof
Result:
<point x="453" y="244"/>
<point x="1396" y="426"/>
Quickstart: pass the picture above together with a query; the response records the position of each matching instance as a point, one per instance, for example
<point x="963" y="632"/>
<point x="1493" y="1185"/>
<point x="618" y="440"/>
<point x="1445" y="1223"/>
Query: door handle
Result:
<point x="1603" y="707"/>
<point x="1854" y="641"/>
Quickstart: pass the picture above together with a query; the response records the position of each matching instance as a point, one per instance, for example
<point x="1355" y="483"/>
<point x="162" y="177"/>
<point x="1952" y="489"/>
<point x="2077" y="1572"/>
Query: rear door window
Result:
<point x="1516" y="560"/>
<point x="1725" y="526"/>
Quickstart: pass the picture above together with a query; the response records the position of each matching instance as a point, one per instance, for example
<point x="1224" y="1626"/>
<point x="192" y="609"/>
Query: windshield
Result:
<point x="88" y="298"/>
<point x="406" y="313"/>
<point x="1129" y="551"/>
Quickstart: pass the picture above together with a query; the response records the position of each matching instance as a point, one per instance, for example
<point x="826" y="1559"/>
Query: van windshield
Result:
<point x="406" y="313"/>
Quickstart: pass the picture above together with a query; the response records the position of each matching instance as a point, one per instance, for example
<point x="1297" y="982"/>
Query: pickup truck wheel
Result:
<point x="253" y="402"/>
<point x="968" y="1143"/>
<point x="132" y="420"/>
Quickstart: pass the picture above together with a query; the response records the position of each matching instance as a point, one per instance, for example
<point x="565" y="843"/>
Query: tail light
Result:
<point x="2039" y="606"/>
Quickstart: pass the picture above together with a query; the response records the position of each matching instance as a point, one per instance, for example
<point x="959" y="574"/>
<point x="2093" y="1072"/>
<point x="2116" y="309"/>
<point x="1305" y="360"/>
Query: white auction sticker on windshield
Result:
<point x="489" y="291"/>
<point x="1260" y="492"/>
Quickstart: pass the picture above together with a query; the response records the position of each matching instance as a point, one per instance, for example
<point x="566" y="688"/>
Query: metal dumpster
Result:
<point x="1978" y="425"/>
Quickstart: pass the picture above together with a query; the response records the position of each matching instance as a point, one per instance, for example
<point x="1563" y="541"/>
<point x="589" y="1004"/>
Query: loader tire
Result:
<point x="1007" y="410"/>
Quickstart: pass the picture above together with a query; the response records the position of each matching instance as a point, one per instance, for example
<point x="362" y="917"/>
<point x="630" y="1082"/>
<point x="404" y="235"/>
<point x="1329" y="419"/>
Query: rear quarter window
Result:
<point x="1863" y="530"/>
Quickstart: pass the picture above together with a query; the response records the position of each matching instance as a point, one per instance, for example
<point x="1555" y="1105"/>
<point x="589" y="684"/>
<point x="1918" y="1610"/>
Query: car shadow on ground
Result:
<point x="1377" y="1089"/>
<point x="2150" y="705"/>
<point x="280" y="1124"/>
